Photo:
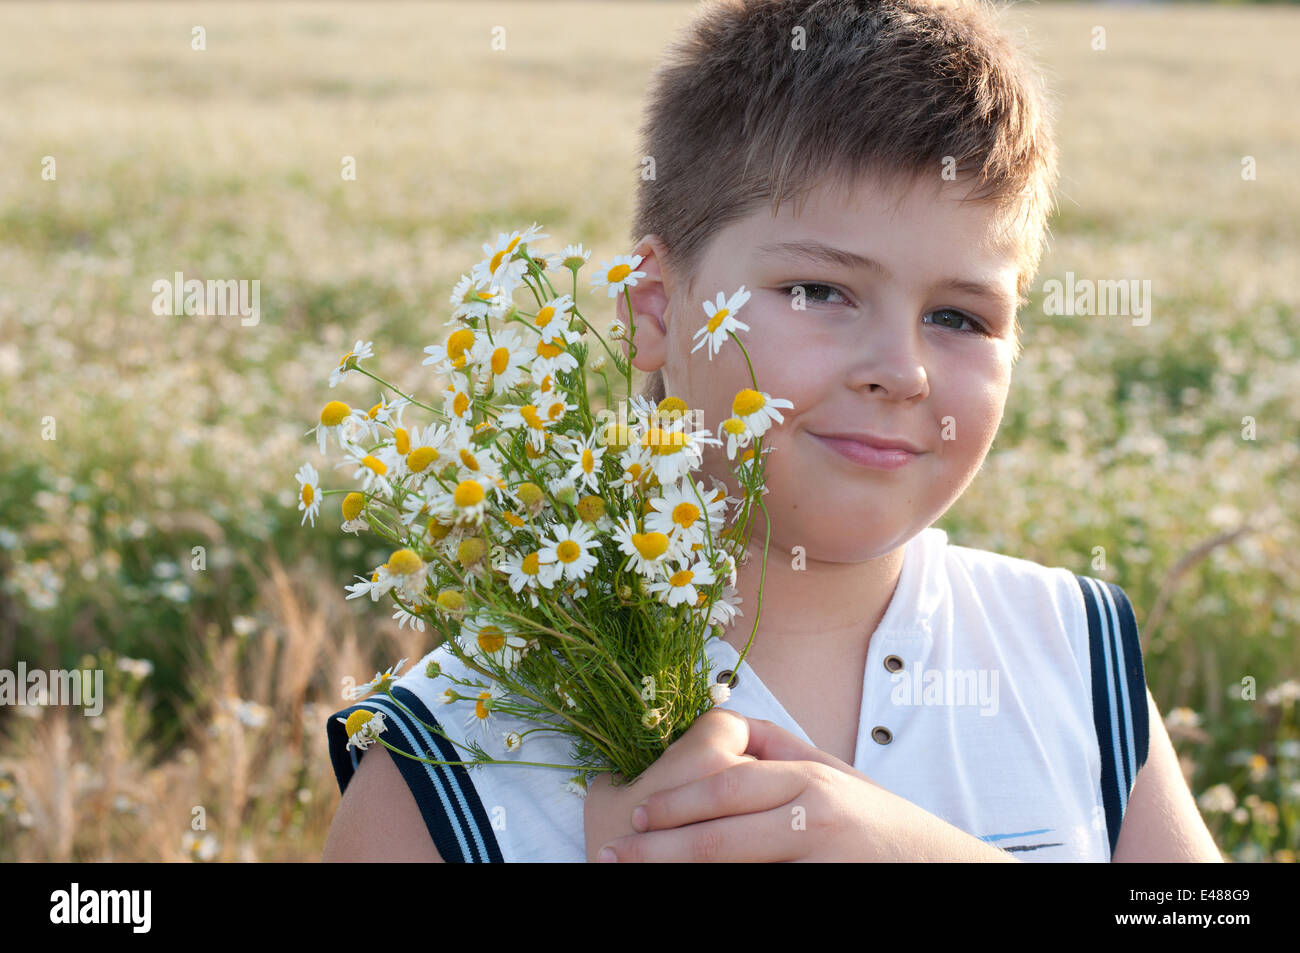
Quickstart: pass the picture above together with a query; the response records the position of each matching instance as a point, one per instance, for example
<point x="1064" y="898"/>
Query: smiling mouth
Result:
<point x="874" y="458"/>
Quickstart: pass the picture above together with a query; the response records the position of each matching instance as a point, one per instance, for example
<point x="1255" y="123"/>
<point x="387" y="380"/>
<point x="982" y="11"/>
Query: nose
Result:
<point x="888" y="359"/>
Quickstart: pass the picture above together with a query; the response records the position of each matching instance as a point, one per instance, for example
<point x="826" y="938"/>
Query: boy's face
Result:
<point x="896" y="350"/>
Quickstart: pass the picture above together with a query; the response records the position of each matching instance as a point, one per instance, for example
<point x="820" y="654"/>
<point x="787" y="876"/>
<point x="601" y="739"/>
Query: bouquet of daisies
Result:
<point x="571" y="557"/>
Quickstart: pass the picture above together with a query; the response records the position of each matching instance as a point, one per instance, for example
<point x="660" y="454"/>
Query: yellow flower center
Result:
<point x="544" y="316"/>
<point x="555" y="411"/>
<point x="734" y="426"/>
<point x="513" y="520"/>
<point x="468" y="460"/>
<point x="480" y="706"/>
<point x="451" y="600"/>
<point x="460" y="404"/>
<point x="747" y="402"/>
<point x="373" y="412"/>
<point x="531" y="417"/>
<point x="591" y="508"/>
<point x="500" y="360"/>
<point x="345" y="358"/>
<point x="568" y="551"/>
<point x="404" y="562"/>
<point x="468" y="493"/>
<point x="548" y="350"/>
<point x="530" y="494"/>
<point x="491" y="639"/>
<point x="334" y="413"/>
<point x="307" y="494"/>
<point x="419" y="458"/>
<point x="357" y="720"/>
<point x="664" y="442"/>
<point x="375" y="464"/>
<point x="470" y="551"/>
<point x="458" y="342"/>
<point x="402" y="440"/>
<point x="531" y="564"/>
<point x="618" y="273"/>
<point x="717" y="319"/>
<point x="650" y="545"/>
<point x="681" y="578"/>
<point x="685" y="514"/>
<point x="352" y="504"/>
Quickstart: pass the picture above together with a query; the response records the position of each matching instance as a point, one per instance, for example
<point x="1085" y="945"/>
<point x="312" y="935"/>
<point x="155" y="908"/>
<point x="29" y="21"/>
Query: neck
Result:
<point x="810" y="608"/>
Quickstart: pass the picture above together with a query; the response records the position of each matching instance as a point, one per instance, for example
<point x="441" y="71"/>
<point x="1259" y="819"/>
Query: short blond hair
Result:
<point x="737" y="116"/>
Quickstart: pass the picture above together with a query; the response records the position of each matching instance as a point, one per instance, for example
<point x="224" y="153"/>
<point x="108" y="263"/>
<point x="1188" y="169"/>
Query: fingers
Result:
<point x="768" y="741"/>
<point x="745" y="788"/>
<point x="746" y="838"/>
<point x="715" y="740"/>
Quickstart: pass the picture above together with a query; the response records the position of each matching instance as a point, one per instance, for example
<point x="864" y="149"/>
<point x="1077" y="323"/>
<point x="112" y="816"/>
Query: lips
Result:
<point x="875" y="441"/>
<point x="871" y="455"/>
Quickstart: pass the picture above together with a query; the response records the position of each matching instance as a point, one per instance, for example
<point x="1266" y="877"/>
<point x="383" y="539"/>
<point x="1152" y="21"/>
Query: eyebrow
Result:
<point x="816" y="251"/>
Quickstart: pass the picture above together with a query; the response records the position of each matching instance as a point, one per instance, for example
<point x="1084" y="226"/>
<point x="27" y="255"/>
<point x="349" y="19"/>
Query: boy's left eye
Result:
<point x="959" y="317"/>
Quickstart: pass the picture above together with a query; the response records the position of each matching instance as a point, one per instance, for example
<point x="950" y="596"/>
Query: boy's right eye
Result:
<point x="811" y="289"/>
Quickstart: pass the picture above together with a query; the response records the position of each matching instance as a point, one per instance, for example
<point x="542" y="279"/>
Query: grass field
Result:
<point x="175" y="432"/>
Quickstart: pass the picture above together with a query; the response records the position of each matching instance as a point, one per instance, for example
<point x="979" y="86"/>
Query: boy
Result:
<point x="877" y="176"/>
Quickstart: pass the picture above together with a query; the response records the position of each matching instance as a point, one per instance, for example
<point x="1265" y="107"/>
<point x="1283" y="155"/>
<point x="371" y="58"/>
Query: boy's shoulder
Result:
<point x="474" y="813"/>
<point x="999" y="576"/>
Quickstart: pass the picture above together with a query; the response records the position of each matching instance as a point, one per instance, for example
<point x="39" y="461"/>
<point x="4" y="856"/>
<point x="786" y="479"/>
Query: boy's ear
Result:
<point x="650" y="298"/>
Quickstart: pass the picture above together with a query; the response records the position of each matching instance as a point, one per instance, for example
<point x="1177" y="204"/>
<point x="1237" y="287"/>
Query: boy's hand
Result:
<point x="715" y="741"/>
<point x="774" y="798"/>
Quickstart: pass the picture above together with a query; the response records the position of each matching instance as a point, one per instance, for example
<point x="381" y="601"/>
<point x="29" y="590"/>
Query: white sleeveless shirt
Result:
<point x="1005" y="697"/>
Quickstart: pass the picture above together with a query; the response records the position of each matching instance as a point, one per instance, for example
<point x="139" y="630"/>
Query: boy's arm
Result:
<point x="378" y="819"/>
<point x="1161" y="822"/>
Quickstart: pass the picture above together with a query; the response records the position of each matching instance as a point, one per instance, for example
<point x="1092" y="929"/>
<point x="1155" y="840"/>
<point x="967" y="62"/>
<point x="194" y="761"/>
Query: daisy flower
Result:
<point x="722" y="320"/>
<point x="512" y="741"/>
<point x="385" y="412"/>
<point x="372" y="470"/>
<point x="361" y="349"/>
<point x="537" y="417"/>
<point x="466" y="503"/>
<point x="552" y="357"/>
<point x="679" y="587"/>
<point x="737" y="434"/>
<point x="502" y="266"/>
<point x="366" y="587"/>
<point x="481" y="714"/>
<point x="574" y="257"/>
<point x="339" y="419"/>
<point x="505" y="359"/>
<point x="618" y="274"/>
<point x="476" y="300"/>
<point x="454" y="353"/>
<point x="552" y="318"/>
<point x="650" y="552"/>
<point x="404" y="570"/>
<point x="724" y="609"/>
<point x="577" y="785"/>
<point x="380" y="682"/>
<point x="457" y="401"/>
<point x="672" y="452"/>
<point x="719" y="693"/>
<point x="586" y="459"/>
<point x="363" y="727"/>
<point x="757" y="410"/>
<point x="678" y="513"/>
<point x="528" y="570"/>
<point x="571" y="548"/>
<point x="308" y="492"/>
<point x="403" y="616"/>
<point x="484" y="639"/>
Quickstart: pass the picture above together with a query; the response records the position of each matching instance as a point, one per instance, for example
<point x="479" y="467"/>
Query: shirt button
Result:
<point x="729" y="678"/>
<point x="893" y="663"/>
<point x="881" y="735"/>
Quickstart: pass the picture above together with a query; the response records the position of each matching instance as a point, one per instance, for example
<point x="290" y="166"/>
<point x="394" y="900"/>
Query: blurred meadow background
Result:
<point x="177" y="432"/>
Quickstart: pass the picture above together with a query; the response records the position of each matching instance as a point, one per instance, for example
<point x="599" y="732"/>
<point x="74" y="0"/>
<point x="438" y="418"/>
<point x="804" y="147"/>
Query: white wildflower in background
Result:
<point x="308" y="492"/>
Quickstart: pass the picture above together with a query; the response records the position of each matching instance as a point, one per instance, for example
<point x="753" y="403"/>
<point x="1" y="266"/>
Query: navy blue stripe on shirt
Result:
<point x="447" y="798"/>
<point x="1119" y="695"/>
